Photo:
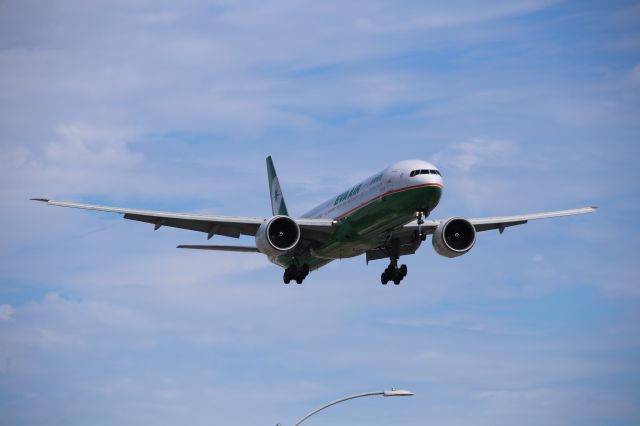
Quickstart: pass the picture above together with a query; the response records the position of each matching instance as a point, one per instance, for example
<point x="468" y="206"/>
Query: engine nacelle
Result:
<point x="277" y="235"/>
<point x="454" y="237"/>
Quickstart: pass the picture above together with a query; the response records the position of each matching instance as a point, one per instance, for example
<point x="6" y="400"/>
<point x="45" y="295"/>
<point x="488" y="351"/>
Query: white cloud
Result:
<point x="477" y="151"/>
<point x="453" y="321"/>
<point x="437" y="15"/>
<point x="481" y="173"/>
<point x="6" y="312"/>
<point x="635" y="74"/>
<point x="91" y="147"/>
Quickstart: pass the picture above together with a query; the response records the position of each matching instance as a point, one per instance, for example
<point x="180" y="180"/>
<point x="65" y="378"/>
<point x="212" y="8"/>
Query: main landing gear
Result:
<point x="295" y="272"/>
<point x="393" y="273"/>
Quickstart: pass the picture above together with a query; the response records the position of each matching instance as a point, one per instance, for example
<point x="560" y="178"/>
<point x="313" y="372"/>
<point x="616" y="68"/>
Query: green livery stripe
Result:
<point x="394" y="191"/>
<point x="368" y="225"/>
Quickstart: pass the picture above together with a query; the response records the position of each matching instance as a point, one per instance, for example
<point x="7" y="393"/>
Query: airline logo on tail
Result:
<point x="278" y="206"/>
<point x="277" y="202"/>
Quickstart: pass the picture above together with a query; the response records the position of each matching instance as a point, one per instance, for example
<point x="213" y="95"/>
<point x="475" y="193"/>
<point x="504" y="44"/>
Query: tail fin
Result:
<point x="277" y="199"/>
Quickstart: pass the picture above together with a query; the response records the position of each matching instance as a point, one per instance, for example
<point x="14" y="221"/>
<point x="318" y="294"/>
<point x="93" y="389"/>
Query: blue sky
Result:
<point x="525" y="107"/>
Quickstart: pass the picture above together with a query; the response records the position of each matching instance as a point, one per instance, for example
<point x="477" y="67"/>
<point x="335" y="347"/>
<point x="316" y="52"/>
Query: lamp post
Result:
<point x="392" y="392"/>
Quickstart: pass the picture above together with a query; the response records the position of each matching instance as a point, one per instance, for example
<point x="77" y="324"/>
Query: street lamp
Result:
<point x="392" y="392"/>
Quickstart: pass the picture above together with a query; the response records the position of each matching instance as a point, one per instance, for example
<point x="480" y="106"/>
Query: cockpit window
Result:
<point x="423" y="172"/>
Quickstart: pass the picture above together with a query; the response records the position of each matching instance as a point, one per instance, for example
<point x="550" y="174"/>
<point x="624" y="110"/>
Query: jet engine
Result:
<point x="454" y="237"/>
<point x="277" y="235"/>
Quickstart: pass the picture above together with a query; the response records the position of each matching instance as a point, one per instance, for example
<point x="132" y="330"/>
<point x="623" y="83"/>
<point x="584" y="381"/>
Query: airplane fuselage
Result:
<point x="367" y="212"/>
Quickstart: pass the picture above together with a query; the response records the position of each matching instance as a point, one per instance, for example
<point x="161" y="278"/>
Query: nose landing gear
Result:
<point x="421" y="234"/>
<point x="393" y="273"/>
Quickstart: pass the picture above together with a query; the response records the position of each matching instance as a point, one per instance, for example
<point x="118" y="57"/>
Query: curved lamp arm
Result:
<point x="392" y="392"/>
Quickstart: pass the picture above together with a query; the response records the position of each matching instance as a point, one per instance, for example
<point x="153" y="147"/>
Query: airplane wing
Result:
<point x="501" y="222"/>
<point x="489" y="223"/>
<point x="408" y="244"/>
<point x="228" y="226"/>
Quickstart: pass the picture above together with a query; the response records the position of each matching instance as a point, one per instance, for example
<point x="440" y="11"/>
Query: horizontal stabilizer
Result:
<point x="244" y="249"/>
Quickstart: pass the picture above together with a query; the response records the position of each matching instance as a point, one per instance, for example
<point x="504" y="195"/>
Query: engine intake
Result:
<point x="454" y="237"/>
<point x="277" y="235"/>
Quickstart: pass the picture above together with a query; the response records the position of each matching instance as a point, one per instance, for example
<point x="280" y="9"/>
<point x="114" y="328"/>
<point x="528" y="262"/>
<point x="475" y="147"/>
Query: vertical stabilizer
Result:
<point x="277" y="199"/>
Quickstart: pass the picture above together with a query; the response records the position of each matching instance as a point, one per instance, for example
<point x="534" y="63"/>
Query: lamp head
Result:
<point x="397" y="392"/>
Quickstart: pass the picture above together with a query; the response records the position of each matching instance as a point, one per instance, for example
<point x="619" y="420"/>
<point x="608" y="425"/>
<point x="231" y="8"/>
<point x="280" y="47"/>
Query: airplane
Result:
<point x="382" y="217"/>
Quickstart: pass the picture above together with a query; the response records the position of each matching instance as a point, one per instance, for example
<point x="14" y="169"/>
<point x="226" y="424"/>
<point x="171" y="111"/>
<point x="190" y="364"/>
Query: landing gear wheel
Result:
<point x="290" y="273"/>
<point x="403" y="271"/>
<point x="302" y="273"/>
<point x="393" y="273"/>
<point x="295" y="273"/>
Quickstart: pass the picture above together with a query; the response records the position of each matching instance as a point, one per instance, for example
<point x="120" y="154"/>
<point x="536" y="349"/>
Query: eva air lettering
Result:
<point x="347" y="194"/>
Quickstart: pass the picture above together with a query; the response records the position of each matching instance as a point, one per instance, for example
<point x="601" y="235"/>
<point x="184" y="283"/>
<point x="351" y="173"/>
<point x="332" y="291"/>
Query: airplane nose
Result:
<point x="432" y="178"/>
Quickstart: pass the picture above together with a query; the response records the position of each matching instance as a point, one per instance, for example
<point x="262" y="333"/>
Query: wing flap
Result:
<point x="383" y="253"/>
<point x="211" y="228"/>
<point x="242" y="249"/>
<point x="500" y="226"/>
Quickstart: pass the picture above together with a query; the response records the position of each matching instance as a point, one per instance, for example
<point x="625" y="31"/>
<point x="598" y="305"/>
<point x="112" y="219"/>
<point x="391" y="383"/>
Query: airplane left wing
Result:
<point x="228" y="226"/>
<point x="489" y="223"/>
<point x="501" y="222"/>
<point x="408" y="241"/>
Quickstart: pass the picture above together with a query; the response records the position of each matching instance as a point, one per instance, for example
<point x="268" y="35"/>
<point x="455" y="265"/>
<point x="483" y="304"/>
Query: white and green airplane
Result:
<point x="384" y="216"/>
